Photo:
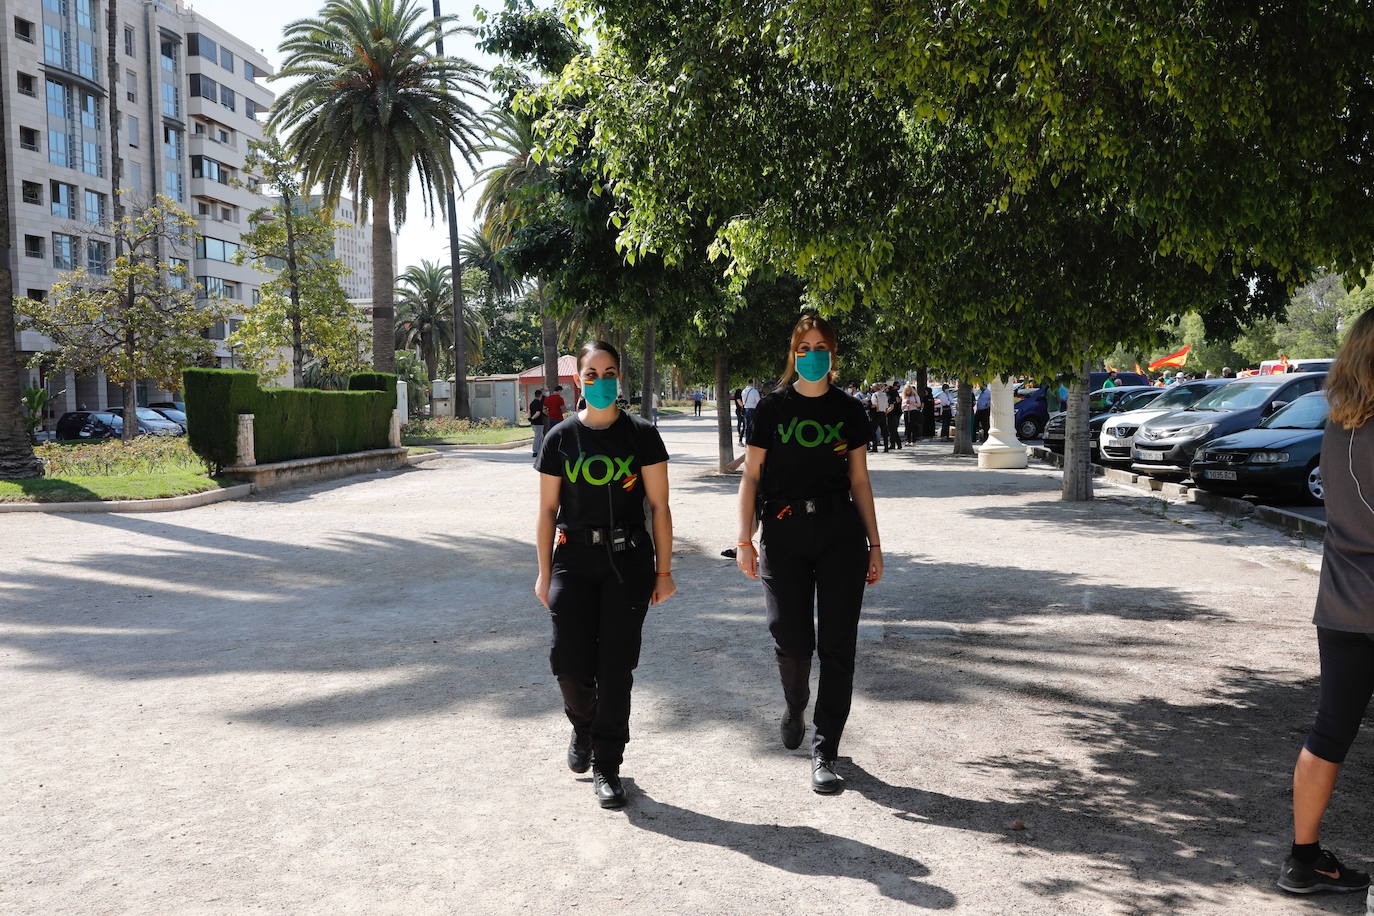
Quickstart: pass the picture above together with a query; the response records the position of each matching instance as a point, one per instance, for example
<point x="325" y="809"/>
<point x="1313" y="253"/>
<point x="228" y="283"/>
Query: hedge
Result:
<point x="373" y="381"/>
<point x="288" y="422"/>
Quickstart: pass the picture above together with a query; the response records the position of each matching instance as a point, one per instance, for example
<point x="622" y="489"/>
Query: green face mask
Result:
<point x="601" y="392"/>
<point x="813" y="366"/>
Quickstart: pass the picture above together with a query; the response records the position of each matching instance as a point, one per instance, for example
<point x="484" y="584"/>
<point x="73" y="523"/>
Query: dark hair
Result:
<point x="593" y="346"/>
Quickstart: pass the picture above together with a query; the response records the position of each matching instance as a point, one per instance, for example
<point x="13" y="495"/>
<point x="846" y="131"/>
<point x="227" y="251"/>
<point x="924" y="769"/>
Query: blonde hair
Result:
<point x="808" y="322"/>
<point x="1350" y="383"/>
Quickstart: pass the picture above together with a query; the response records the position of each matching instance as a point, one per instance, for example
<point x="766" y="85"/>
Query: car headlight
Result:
<point x="1268" y="457"/>
<point x="1193" y="432"/>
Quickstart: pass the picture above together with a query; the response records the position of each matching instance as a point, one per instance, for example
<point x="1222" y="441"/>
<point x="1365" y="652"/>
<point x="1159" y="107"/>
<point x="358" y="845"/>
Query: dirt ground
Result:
<point x="337" y="699"/>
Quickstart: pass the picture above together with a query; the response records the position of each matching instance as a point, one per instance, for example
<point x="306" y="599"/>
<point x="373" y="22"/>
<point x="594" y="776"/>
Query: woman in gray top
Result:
<point x="1345" y="613"/>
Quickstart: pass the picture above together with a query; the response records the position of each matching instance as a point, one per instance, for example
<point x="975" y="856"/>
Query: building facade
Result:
<point x="187" y="98"/>
<point x="353" y="246"/>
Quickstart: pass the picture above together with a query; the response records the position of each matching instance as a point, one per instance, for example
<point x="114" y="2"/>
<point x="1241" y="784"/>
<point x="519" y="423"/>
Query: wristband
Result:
<point x="664" y="574"/>
<point x="744" y="543"/>
<point x="871" y="546"/>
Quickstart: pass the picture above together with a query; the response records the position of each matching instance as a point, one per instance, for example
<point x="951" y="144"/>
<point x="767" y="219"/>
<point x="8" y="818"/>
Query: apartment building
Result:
<point x="188" y="97"/>
<point x="353" y="246"/>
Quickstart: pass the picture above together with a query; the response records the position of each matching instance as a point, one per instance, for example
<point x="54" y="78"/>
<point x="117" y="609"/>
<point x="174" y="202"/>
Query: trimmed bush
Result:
<point x="214" y="400"/>
<point x="374" y="381"/>
<point x="288" y="422"/>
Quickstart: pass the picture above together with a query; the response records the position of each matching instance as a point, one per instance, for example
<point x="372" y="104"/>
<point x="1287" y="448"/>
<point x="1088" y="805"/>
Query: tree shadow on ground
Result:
<point x="1194" y="795"/>
<point x="801" y="850"/>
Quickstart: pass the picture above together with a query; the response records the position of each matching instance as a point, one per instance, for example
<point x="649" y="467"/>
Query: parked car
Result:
<point x="1165" y="446"/>
<point x="1279" y="458"/>
<point x="89" y="425"/>
<point x="1118" y="433"/>
<point x="1033" y="402"/>
<point x="176" y="416"/>
<point x="1102" y="406"/>
<point x="1297" y="365"/>
<point x="152" y="423"/>
<point x="175" y="405"/>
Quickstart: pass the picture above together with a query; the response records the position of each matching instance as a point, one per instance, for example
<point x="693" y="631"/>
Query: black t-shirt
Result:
<point x="808" y="442"/>
<point x="601" y="470"/>
<point x="536" y="411"/>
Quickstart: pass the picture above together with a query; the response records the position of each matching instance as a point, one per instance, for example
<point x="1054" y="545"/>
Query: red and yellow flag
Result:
<point x="1138" y="370"/>
<point x="1173" y="359"/>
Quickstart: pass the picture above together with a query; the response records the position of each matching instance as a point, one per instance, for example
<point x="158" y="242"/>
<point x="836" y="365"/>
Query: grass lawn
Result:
<point x="419" y="450"/>
<point x="80" y="488"/>
<point x="474" y="436"/>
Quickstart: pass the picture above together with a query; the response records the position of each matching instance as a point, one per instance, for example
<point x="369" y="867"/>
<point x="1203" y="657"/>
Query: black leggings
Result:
<point x="597" y="623"/>
<point x="1347" y="661"/>
<point x="813" y="570"/>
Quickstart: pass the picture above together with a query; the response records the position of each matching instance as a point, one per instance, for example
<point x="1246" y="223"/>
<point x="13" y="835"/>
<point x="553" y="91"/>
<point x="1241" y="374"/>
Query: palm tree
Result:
<point x="424" y="316"/>
<point x="478" y="250"/>
<point x="375" y="104"/>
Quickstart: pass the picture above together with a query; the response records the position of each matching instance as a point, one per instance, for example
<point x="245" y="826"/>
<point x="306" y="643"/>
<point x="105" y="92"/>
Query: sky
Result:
<point x="261" y="22"/>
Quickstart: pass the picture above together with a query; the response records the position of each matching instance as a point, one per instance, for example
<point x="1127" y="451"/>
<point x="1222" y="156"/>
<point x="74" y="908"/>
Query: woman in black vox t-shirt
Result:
<point x="599" y="569"/>
<point x="806" y="477"/>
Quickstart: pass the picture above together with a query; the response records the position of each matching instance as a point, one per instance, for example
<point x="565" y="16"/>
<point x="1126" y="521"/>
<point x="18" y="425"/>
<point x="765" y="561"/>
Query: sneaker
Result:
<point x="580" y="752"/>
<point x="824" y="779"/>
<point x="1325" y="874"/>
<point x="610" y="793"/>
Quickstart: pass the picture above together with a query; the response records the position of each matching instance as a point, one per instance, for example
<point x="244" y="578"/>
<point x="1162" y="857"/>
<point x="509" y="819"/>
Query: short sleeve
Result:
<point x="856" y="427"/>
<point x="651" y="448"/>
<point x="546" y="462"/>
<point x="763" y="431"/>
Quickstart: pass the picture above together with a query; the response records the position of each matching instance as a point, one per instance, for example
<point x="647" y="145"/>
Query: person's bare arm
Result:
<point x="861" y="490"/>
<point x="746" y="555"/>
<point x="543" y="534"/>
<point x="656" y="491"/>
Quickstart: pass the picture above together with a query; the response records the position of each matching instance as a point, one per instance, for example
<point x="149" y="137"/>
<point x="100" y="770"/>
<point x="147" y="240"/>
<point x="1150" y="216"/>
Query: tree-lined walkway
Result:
<point x="337" y="699"/>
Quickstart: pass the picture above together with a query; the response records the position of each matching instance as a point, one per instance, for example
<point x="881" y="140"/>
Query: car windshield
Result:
<point x="1181" y="396"/>
<point x="1239" y="396"/>
<point x="1304" y="413"/>
<point x="1138" y="400"/>
<point x="172" y="413"/>
<point x="147" y="413"/>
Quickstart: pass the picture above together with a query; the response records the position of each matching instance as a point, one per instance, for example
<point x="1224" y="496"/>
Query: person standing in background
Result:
<point x="1344" y="614"/>
<point x="739" y="413"/>
<point x="553" y="407"/>
<point x="749" y="398"/>
<point x="982" y="413"/>
<point x="536" y="413"/>
<point x="911" y="412"/>
<point x="894" y="415"/>
<point x="944" y="405"/>
<point x="878" y="417"/>
<point x="927" y="413"/>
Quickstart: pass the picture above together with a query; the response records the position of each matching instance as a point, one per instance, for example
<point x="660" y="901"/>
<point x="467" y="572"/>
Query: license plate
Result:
<point x="1219" y="475"/>
<point x="1151" y="456"/>
<point x="1119" y="443"/>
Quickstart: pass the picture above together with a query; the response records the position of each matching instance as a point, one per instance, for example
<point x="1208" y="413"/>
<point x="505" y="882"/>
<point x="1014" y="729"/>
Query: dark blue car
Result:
<point x="1033" y="404"/>
<point x="1279" y="458"/>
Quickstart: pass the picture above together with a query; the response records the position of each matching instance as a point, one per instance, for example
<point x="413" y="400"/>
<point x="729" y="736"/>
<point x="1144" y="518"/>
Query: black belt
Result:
<point x="813" y="505"/>
<point x="619" y="539"/>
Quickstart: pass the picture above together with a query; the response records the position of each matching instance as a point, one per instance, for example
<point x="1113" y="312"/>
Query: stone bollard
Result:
<point x="244" y="446"/>
<point x="403" y="401"/>
<point x="1002" y="449"/>
<point x="395" y="433"/>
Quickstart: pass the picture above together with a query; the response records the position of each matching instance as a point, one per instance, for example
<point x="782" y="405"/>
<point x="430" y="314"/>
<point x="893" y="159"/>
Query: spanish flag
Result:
<point x="1173" y="359"/>
<point x="1138" y="370"/>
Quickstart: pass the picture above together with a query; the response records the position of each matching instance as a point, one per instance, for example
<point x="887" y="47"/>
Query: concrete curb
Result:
<point x="1224" y="505"/>
<point x="166" y="504"/>
<point x="413" y="460"/>
<point x="494" y="447"/>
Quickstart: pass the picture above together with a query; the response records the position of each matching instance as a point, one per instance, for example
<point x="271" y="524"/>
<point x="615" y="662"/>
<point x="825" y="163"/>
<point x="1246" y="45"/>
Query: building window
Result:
<point x="252" y="108"/>
<point x="174" y="186"/>
<point x="63" y="199"/>
<point x="178" y="277"/>
<point x="90" y="111"/>
<point x="172" y="146"/>
<point x="85" y="62"/>
<point x="85" y="16"/>
<point x="92" y="158"/>
<point x="204" y="87"/>
<point x="205" y="167"/>
<point x="250" y="72"/>
<point x="28" y="138"/>
<point x="58" y="153"/>
<point x="59" y="99"/>
<point x="23" y="30"/>
<point x="133" y="131"/>
<point x="131" y="85"/>
<point x="37" y="295"/>
<point x="257" y="297"/>
<point x="54" y="46"/>
<point x="216" y="249"/>
<point x="136" y="177"/>
<point x="217" y="288"/>
<point x="228" y="214"/>
<point x="129" y="42"/>
<point x="202" y="208"/>
<point x="95" y="207"/>
<point x="199" y="44"/>
<point x="98" y="257"/>
<point x="224" y="136"/>
<point x="226" y="59"/>
<point x="33" y="193"/>
<point x="27" y="84"/>
<point x="55" y="6"/>
<point x="169" y="56"/>
<point x="33" y="246"/>
<point x="226" y="98"/>
<point x="171" y="103"/>
<point x="63" y="251"/>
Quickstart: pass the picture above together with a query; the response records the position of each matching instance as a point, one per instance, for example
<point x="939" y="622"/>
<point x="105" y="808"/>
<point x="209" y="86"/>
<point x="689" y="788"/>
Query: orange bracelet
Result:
<point x="744" y="543"/>
<point x="669" y="574"/>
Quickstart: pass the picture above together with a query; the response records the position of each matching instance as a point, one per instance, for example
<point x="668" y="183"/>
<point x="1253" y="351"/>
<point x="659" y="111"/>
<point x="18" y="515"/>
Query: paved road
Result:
<point x="336" y="700"/>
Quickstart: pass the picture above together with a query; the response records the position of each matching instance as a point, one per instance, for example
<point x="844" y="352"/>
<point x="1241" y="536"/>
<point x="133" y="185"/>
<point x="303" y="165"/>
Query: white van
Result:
<point x="1297" y="365"/>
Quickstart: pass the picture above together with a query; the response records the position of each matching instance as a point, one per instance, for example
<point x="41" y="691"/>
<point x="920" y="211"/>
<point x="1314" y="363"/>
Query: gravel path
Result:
<point x="337" y="700"/>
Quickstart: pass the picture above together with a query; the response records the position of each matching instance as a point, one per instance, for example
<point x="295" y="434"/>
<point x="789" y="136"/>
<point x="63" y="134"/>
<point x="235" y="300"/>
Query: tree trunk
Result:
<point x="461" y="407"/>
<point x="725" y="428"/>
<point x="963" y="433"/>
<point x="1078" y="478"/>
<point x="293" y="279"/>
<point x="432" y="366"/>
<point x="130" y="410"/>
<point x="548" y="333"/>
<point x="383" y="283"/>
<point x="112" y="113"/>
<point x="646" y="396"/>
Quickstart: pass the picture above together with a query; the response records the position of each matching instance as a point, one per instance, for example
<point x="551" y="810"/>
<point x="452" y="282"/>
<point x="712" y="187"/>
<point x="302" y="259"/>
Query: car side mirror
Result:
<point x="1274" y="407"/>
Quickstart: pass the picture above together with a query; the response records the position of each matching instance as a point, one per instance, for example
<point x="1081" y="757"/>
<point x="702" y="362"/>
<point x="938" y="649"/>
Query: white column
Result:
<point x="1002" y="449"/>
<point x="246" y="458"/>
<point x="402" y="401"/>
<point x="394" y="433"/>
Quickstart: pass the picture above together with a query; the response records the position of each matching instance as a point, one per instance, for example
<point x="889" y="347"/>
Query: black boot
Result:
<point x="609" y="792"/>
<point x="580" y="752"/>
<point x="793" y="728"/>
<point x="824" y="779"/>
